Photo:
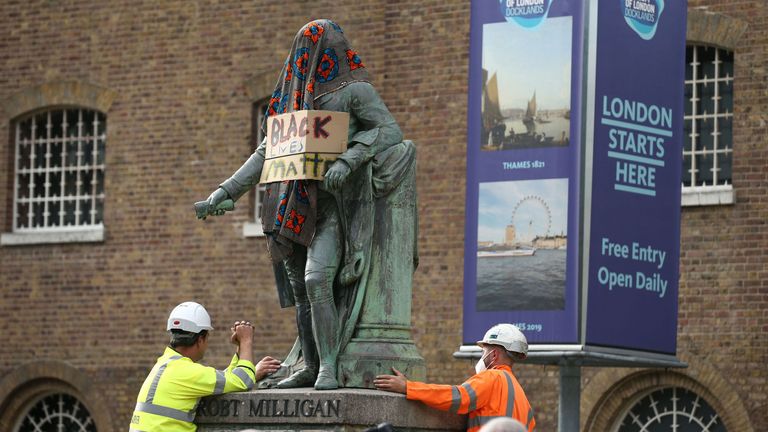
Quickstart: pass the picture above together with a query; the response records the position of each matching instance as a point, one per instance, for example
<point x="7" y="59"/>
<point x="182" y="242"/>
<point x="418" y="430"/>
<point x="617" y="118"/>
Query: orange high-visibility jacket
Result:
<point x="485" y="396"/>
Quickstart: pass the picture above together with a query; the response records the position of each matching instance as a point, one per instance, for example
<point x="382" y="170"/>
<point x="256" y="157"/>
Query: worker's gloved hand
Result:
<point x="336" y="175"/>
<point x="266" y="366"/>
<point x="214" y="199"/>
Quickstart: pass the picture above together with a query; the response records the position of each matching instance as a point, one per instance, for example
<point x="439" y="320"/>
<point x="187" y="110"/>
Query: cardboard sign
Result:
<point x="302" y="145"/>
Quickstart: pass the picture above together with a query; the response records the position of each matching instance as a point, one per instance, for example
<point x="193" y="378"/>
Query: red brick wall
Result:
<point x="724" y="254"/>
<point x="180" y="125"/>
<point x="723" y="299"/>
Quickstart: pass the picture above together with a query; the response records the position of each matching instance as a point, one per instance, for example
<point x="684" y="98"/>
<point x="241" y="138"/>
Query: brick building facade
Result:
<point x="177" y="81"/>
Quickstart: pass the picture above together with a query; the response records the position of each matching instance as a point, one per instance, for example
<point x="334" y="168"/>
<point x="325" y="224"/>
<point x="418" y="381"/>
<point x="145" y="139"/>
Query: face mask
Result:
<point x="480" y="366"/>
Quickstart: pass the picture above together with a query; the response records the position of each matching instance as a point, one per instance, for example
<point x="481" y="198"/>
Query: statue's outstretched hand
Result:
<point x="336" y="175"/>
<point x="216" y="198"/>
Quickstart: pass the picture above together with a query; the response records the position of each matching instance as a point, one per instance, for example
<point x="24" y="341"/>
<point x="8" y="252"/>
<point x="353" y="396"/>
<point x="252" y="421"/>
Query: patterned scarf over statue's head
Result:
<point x="321" y="61"/>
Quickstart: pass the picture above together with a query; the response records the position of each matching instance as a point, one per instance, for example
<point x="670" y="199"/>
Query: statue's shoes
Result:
<point x="326" y="379"/>
<point x="302" y="378"/>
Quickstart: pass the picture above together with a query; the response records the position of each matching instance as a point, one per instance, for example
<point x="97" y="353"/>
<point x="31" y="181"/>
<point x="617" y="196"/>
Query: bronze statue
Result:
<point x="320" y="234"/>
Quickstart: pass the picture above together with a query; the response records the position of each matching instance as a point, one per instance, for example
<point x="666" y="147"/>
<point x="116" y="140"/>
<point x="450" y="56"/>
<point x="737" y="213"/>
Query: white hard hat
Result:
<point x="507" y="336"/>
<point x="189" y="316"/>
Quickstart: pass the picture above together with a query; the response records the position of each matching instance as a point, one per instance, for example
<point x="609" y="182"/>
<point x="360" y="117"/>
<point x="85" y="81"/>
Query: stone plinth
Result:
<point x="308" y="410"/>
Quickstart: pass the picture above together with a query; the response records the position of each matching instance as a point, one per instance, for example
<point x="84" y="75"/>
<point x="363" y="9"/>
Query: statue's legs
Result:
<point x="323" y="258"/>
<point x="311" y="272"/>
<point x="295" y="266"/>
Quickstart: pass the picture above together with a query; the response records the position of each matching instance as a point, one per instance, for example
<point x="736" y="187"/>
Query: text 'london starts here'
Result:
<point x="636" y="141"/>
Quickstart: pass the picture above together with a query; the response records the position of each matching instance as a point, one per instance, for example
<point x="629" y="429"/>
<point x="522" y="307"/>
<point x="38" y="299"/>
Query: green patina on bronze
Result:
<point x="351" y="284"/>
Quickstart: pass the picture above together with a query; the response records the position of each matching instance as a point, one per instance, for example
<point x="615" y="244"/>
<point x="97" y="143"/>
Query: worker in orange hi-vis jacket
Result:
<point x="491" y="393"/>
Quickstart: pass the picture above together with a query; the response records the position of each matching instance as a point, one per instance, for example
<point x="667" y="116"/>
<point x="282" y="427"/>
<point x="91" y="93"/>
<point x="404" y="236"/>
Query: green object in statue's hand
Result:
<point x="201" y="208"/>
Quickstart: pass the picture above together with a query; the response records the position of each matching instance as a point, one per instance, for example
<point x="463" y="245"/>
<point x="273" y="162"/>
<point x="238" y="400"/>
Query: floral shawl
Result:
<point x="321" y="61"/>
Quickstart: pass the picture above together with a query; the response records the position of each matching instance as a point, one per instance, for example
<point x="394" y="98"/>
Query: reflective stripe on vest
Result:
<point x="455" y="399"/>
<point x="243" y="375"/>
<point x="150" y="408"/>
<point x="510" y="395"/>
<point x="156" y="381"/>
<point x="185" y="416"/>
<point x="220" y="381"/>
<point x="478" y="421"/>
<point x="472" y="396"/>
<point x="530" y="417"/>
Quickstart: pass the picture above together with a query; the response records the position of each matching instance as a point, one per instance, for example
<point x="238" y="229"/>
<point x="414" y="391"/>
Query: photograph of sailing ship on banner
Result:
<point x="526" y="101"/>
<point x="521" y="248"/>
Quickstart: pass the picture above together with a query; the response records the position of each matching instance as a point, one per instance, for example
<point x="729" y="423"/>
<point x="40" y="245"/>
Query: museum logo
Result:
<point x="527" y="13"/>
<point x="642" y="16"/>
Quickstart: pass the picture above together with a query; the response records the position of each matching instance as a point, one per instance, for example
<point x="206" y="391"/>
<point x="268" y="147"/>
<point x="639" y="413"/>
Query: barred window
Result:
<point x="708" y="151"/>
<point x="670" y="409"/>
<point x="55" y="413"/>
<point x="258" y="112"/>
<point x="59" y="166"/>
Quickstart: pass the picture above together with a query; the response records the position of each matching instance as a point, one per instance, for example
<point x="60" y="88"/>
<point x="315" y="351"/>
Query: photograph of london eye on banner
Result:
<point x="521" y="247"/>
<point x="526" y="100"/>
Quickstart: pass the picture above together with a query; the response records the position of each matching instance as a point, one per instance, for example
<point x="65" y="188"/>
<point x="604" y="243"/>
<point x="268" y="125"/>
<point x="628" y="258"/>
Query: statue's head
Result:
<point x="320" y="29"/>
<point x="322" y="45"/>
<point x="321" y="61"/>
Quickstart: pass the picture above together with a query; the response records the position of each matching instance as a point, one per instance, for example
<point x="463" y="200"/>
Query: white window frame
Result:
<point x="678" y="413"/>
<point x="91" y="231"/>
<point x="715" y="194"/>
<point x="56" y="411"/>
<point x="253" y="228"/>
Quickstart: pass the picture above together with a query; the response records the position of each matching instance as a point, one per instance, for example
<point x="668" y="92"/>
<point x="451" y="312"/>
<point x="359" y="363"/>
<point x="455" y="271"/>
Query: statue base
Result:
<point x="306" y="409"/>
<point x="375" y="351"/>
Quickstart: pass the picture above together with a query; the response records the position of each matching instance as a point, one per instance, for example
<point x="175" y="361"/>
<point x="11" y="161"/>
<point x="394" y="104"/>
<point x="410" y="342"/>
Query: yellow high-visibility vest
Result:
<point x="169" y="396"/>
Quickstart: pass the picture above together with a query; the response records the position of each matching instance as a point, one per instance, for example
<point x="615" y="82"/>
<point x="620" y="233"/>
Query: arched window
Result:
<point x="56" y="412"/>
<point x="670" y="409"/>
<point x="52" y="396"/>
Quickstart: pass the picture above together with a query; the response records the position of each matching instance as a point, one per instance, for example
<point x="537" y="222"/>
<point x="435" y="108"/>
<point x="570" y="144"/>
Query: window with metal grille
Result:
<point x="55" y="413"/>
<point x="670" y="409"/>
<point x="59" y="166"/>
<point x="258" y="112"/>
<point x="708" y="151"/>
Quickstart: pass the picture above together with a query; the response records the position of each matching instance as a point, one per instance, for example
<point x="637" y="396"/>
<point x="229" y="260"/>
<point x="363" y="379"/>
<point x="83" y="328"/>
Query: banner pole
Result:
<point x="570" y="397"/>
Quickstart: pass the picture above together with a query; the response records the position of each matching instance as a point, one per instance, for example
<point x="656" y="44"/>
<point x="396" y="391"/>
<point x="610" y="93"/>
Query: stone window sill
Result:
<point x="89" y="235"/>
<point x="252" y="229"/>
<point x="707" y="196"/>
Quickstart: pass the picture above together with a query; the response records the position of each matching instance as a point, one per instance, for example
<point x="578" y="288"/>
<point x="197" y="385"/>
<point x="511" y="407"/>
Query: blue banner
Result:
<point x="573" y="214"/>
<point x="523" y="169"/>
<point x="634" y="235"/>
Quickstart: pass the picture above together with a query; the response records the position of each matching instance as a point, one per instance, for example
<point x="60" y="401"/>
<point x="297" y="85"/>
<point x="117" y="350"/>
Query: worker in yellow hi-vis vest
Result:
<point x="169" y="396"/>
